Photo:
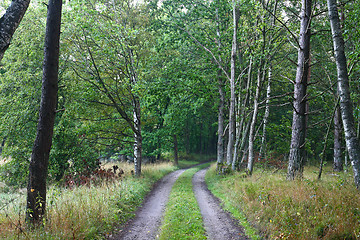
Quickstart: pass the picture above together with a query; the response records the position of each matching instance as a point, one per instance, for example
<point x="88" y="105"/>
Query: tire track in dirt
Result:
<point x="219" y="224"/>
<point x="148" y="218"/>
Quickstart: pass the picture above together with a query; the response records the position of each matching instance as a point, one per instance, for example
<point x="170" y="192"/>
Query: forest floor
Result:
<point x="218" y="223"/>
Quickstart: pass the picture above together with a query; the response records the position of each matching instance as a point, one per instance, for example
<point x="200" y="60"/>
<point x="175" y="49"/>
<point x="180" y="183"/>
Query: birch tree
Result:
<point x="296" y="155"/>
<point x="232" y="116"/>
<point x="352" y="142"/>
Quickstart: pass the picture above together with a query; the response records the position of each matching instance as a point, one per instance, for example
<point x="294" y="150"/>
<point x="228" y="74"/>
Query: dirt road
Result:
<point x="148" y="219"/>
<point x="219" y="225"/>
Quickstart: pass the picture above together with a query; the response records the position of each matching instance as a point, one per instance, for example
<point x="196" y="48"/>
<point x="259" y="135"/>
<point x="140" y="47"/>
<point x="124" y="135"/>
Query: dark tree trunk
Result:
<point x="338" y="166"/>
<point x="10" y="21"/>
<point x="352" y="142"/>
<point x="176" y="150"/>
<point x="36" y="189"/>
<point x="297" y="153"/>
<point x="2" y="145"/>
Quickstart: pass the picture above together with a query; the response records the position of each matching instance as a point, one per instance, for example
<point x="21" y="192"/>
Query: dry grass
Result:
<point x="307" y="209"/>
<point x="84" y="212"/>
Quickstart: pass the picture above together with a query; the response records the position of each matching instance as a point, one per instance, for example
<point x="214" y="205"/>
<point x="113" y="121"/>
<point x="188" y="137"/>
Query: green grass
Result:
<point x="188" y="160"/>
<point x="182" y="218"/>
<point x="187" y="163"/>
<point x="84" y="212"/>
<point x="307" y="209"/>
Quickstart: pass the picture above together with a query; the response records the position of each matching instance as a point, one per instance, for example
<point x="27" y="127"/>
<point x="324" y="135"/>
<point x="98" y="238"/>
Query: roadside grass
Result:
<point x="306" y="209"/>
<point x="182" y="218"/>
<point x="83" y="212"/>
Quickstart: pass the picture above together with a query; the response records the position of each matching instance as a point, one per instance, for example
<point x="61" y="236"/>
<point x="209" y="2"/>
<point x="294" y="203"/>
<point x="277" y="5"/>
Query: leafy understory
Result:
<point x="182" y="218"/>
<point x="307" y="209"/>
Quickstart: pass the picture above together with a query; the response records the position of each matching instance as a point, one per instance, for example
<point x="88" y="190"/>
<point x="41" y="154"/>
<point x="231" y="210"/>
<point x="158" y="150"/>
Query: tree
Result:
<point x="36" y="189"/>
<point x="232" y="116"/>
<point x="296" y="155"/>
<point x="10" y="21"/>
<point x="352" y="142"/>
<point x="337" y="166"/>
<point x="110" y="50"/>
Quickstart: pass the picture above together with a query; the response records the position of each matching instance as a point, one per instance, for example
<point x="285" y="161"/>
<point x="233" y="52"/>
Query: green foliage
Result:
<point x="20" y="88"/>
<point x="70" y="152"/>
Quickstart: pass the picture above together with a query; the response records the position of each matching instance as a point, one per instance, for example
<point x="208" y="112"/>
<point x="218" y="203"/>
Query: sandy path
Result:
<point x="148" y="218"/>
<point x="218" y="224"/>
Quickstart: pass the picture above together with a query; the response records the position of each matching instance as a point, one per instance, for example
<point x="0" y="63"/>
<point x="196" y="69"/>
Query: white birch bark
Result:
<point x="266" y="115"/>
<point x="231" y="141"/>
<point x="220" y="141"/>
<point x="352" y="142"/>
<point x="242" y="114"/>
<point x="338" y="166"/>
<point x="137" y="137"/>
<point x="252" y="126"/>
<point x="136" y="118"/>
<point x="297" y="152"/>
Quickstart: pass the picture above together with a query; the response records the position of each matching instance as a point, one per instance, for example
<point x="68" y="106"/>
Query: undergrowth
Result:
<point x="85" y="212"/>
<point x="182" y="218"/>
<point x="306" y="209"/>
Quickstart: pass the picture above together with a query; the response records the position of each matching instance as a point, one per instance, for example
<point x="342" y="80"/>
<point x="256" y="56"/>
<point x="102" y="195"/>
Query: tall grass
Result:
<point x="307" y="209"/>
<point x="84" y="212"/>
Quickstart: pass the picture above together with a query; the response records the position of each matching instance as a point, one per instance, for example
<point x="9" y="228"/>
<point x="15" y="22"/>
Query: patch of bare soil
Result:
<point x="148" y="218"/>
<point x="219" y="224"/>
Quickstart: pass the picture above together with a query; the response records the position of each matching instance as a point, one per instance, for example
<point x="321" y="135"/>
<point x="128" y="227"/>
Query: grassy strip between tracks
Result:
<point x="182" y="218"/>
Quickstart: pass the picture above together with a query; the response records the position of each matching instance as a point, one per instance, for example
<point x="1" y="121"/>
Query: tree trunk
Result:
<point x="297" y="152"/>
<point x="176" y="150"/>
<point x="136" y="116"/>
<point x="352" y="142"/>
<point x="220" y="141"/>
<point x="242" y="114"/>
<point x="230" y="147"/>
<point x="138" y="137"/>
<point x="338" y="166"/>
<point x="250" y="165"/>
<point x="266" y="116"/>
<point x="10" y="21"/>
<point x="236" y="164"/>
<point x="2" y="145"/>
<point x="36" y="189"/>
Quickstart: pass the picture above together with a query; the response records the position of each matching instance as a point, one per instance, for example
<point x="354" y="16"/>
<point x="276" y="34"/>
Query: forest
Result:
<point x="110" y="96"/>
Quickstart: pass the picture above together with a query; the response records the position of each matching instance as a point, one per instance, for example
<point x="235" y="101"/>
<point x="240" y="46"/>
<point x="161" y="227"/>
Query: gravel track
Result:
<point x="219" y="225"/>
<point x="148" y="218"/>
